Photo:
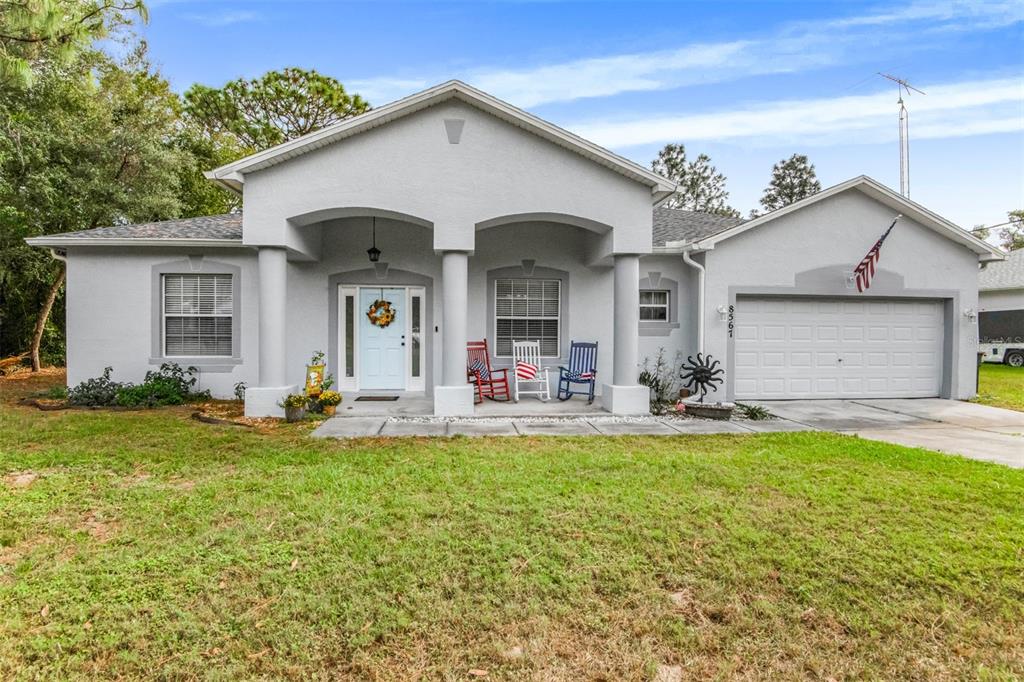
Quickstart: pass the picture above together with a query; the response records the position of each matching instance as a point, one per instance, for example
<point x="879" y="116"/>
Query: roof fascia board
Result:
<point x="1012" y="287"/>
<point x="879" y="192"/>
<point x="234" y="172"/>
<point x="64" y="242"/>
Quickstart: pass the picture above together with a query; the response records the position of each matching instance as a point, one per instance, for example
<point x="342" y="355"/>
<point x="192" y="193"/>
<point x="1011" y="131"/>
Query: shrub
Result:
<point x="170" y="385"/>
<point x="98" y="392"/>
<point x="753" y="412"/>
<point x="240" y="390"/>
<point x="329" y="398"/>
<point x="293" y="400"/>
<point x="661" y="379"/>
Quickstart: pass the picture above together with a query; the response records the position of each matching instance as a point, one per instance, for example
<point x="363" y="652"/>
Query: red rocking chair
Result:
<point x="490" y="383"/>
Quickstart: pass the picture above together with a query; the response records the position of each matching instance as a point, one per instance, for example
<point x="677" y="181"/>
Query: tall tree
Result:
<point x="1011" y="237"/>
<point x="700" y="186"/>
<point x="33" y="31"/>
<point x="274" y="108"/>
<point x="77" y="153"/>
<point x="793" y="179"/>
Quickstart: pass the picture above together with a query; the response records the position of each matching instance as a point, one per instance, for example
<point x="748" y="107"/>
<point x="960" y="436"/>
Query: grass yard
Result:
<point x="139" y="544"/>
<point x="1001" y="386"/>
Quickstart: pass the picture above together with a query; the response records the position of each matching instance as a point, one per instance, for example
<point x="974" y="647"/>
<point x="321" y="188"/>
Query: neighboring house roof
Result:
<point x="873" y="189"/>
<point x="677" y="225"/>
<point x="214" y="230"/>
<point x="232" y="175"/>
<point x="1007" y="274"/>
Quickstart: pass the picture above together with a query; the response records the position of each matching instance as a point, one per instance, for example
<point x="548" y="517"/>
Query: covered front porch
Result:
<point x="465" y="197"/>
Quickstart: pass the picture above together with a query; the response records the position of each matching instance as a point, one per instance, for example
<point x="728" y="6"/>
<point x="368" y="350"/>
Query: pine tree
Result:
<point x="700" y="186"/>
<point x="793" y="179"/>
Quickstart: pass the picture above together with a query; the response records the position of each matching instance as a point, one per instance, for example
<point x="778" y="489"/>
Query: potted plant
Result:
<point x="294" y="405"/>
<point x="329" y="400"/>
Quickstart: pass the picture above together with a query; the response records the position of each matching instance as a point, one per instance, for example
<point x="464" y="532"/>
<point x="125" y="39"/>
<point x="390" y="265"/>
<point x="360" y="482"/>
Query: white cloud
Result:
<point x="948" y="110"/>
<point x="379" y="91"/>
<point x="222" y="18"/>
<point x="796" y="47"/>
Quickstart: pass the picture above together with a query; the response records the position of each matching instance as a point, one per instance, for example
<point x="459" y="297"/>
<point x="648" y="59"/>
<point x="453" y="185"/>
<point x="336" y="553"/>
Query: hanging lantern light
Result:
<point x="373" y="252"/>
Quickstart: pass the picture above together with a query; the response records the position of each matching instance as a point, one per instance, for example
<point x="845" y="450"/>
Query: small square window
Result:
<point x="654" y="305"/>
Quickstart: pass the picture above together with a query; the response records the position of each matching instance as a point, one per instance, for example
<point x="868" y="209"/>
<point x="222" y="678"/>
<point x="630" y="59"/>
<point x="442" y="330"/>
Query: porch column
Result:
<point x="624" y="395"/>
<point x="261" y="401"/>
<point x="454" y="397"/>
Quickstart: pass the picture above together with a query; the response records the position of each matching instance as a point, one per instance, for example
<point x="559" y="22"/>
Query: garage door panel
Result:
<point x="833" y="348"/>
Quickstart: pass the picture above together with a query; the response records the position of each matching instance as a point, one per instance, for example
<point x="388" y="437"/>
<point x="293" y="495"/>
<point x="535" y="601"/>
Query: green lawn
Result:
<point x="1001" y="386"/>
<point x="153" y="545"/>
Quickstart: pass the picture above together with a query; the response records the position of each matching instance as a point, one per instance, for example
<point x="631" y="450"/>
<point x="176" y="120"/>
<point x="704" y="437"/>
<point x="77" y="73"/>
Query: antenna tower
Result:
<point x="901" y="85"/>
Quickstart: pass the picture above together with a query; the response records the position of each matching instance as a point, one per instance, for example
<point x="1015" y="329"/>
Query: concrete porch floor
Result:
<point x="422" y="405"/>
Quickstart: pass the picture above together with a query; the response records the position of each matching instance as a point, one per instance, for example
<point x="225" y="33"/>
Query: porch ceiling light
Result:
<point x="373" y="252"/>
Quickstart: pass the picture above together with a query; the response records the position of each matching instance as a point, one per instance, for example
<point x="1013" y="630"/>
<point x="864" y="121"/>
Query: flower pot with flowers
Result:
<point x="294" y="405"/>
<point x="329" y="400"/>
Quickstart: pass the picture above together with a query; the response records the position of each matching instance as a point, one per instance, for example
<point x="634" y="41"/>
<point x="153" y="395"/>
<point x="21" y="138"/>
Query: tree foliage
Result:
<point x="700" y="186"/>
<point x="90" y="144"/>
<point x="36" y="31"/>
<point x="1011" y="237"/>
<point x="274" y="108"/>
<point x="793" y="179"/>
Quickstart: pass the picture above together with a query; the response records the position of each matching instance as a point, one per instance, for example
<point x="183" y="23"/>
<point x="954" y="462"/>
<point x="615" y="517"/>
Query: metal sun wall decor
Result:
<point x="701" y="374"/>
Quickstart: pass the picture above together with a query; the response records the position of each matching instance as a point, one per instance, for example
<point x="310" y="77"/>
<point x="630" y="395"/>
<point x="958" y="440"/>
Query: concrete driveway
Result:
<point x="976" y="431"/>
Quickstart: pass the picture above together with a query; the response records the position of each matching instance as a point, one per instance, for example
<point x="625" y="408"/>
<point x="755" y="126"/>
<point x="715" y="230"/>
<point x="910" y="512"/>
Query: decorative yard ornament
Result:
<point x="373" y="252"/>
<point x="381" y="314"/>
<point x="701" y="374"/>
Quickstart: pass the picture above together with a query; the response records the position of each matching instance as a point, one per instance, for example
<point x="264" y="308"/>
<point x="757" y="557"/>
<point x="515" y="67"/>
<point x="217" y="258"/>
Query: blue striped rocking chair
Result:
<point x="582" y="369"/>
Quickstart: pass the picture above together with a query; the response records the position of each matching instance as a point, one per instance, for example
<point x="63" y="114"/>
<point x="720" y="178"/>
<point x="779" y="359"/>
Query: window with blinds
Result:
<point x="197" y="315"/>
<point x="527" y="310"/>
<point x="654" y="305"/>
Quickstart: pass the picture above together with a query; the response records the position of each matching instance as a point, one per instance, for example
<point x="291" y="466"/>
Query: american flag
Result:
<point x="865" y="270"/>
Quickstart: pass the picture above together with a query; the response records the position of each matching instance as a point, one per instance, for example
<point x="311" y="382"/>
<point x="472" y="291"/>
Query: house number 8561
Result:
<point x="732" y="316"/>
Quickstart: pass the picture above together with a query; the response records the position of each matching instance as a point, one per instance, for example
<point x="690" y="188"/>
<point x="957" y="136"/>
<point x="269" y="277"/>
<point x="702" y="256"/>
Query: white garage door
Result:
<point x="789" y="347"/>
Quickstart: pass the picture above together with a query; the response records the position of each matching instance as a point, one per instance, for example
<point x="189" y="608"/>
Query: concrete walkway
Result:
<point x="976" y="431"/>
<point x="363" y="427"/>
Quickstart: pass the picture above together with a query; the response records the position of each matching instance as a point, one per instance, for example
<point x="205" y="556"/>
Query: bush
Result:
<point x="329" y="398"/>
<point x="98" y="392"/>
<point x="293" y="400"/>
<point x="753" y="412"/>
<point x="660" y="377"/>
<point x="170" y="385"/>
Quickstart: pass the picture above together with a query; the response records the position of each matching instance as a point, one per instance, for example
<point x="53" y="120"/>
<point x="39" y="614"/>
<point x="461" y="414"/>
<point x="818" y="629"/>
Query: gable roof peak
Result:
<point x="232" y="175"/>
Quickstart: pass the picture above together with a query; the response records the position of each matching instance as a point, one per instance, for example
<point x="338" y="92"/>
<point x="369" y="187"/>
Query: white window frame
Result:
<point x="164" y="314"/>
<point x="666" y="306"/>
<point x="557" y="317"/>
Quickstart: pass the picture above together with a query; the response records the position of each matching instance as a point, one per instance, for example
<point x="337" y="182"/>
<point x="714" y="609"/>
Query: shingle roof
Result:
<point x="670" y="225"/>
<point x="677" y="225"/>
<point x="227" y="226"/>
<point x="1004" y="274"/>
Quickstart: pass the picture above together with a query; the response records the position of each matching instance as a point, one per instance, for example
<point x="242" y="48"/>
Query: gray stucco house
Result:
<point x="495" y="224"/>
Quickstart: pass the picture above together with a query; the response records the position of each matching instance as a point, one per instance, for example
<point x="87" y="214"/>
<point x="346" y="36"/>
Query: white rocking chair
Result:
<point x="527" y="370"/>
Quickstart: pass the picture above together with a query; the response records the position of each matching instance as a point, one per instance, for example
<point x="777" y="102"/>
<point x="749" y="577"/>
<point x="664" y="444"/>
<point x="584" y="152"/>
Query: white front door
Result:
<point x="793" y="347"/>
<point x="372" y="358"/>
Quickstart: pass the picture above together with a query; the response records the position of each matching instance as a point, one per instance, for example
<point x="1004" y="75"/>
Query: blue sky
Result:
<point x="747" y="83"/>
